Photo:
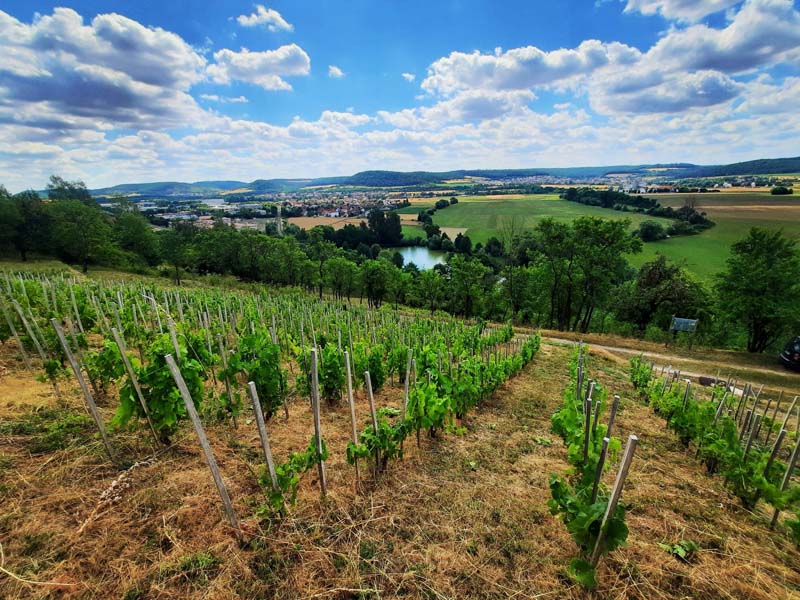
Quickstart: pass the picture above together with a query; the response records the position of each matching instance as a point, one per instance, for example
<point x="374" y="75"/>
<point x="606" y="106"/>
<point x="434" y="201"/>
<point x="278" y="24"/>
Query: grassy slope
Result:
<point x="483" y="215"/>
<point x="704" y="254"/>
<point x="464" y="516"/>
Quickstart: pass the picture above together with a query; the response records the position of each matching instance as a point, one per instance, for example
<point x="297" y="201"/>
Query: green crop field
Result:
<point x="734" y="214"/>
<point x="483" y="216"/>
<point x="704" y="254"/>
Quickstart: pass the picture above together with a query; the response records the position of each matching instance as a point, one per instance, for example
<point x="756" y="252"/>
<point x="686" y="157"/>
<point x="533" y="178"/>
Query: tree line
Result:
<point x="572" y="276"/>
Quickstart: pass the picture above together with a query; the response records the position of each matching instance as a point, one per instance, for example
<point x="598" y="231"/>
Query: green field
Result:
<point x="704" y="254"/>
<point x="734" y="214"/>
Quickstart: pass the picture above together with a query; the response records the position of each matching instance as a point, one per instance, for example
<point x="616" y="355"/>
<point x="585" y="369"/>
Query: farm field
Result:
<point x="734" y="214"/>
<point x="335" y="222"/>
<point x="703" y="254"/>
<point x="462" y="512"/>
<point x="483" y="216"/>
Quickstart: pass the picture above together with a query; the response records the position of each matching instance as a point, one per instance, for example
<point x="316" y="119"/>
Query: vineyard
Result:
<point x="197" y="442"/>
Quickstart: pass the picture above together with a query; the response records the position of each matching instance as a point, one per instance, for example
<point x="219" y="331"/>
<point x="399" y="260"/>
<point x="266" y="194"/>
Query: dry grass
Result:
<point x="335" y="222"/>
<point x="464" y="516"/>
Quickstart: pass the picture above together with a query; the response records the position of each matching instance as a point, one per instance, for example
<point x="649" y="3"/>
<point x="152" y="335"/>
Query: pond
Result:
<point x="421" y="256"/>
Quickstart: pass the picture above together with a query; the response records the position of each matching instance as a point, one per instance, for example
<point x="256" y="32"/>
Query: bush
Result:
<point x="651" y="231"/>
<point x="781" y="190"/>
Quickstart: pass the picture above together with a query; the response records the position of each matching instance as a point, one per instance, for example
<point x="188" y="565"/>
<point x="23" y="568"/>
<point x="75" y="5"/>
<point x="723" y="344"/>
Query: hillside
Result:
<point x="421" y="178"/>
<point x="458" y="486"/>
<point x="394" y="179"/>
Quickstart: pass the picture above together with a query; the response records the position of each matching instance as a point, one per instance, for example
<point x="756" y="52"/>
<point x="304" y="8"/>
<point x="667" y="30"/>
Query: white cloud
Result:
<point x="760" y="34"/>
<point x="265" y="69"/>
<point x="679" y="10"/>
<point x="521" y="68"/>
<point x="668" y="95"/>
<point x="224" y="99"/>
<point x="409" y="77"/>
<point x="110" y="101"/>
<point x="764" y="98"/>
<point x="59" y="73"/>
<point x="269" y="17"/>
<point x="335" y="72"/>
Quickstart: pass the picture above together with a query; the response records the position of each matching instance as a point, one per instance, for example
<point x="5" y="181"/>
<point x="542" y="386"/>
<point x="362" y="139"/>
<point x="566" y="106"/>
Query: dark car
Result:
<point x="790" y="356"/>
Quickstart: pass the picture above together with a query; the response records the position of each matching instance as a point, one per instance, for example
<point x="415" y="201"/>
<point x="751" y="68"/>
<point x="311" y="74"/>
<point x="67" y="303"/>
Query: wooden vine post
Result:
<point x="786" y="477"/>
<point x="317" y="425"/>
<point x="368" y="383"/>
<point x="616" y="492"/>
<point x="352" y="404"/>
<point x="262" y="434"/>
<point x="86" y="393"/>
<point x="209" y="455"/>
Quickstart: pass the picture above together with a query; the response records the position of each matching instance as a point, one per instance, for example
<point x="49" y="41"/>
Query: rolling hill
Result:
<point x="416" y="178"/>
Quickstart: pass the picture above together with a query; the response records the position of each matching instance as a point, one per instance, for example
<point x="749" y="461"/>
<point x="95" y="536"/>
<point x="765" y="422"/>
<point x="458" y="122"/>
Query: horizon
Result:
<point x="113" y="92"/>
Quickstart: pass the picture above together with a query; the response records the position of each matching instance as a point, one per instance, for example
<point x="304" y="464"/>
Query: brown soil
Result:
<point x="464" y="516"/>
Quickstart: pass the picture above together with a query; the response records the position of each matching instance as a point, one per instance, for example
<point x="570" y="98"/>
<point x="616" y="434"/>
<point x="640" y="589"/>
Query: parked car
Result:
<point x="790" y="356"/>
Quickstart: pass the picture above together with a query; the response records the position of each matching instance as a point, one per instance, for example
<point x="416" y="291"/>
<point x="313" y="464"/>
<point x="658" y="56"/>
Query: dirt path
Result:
<point x="712" y="368"/>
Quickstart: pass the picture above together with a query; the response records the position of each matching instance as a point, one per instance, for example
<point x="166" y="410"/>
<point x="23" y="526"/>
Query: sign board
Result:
<point x="683" y="324"/>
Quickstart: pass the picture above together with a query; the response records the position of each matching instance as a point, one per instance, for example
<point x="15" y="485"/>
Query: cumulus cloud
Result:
<point x="114" y="71"/>
<point x="764" y="98"/>
<point x="268" y="17"/>
<point x="109" y="100"/>
<point x="669" y="95"/>
<point x="521" y="68"/>
<point x="265" y="69"/>
<point x="687" y="67"/>
<point x="409" y="77"/>
<point x="335" y="72"/>
<point x="679" y="10"/>
<point x="761" y="33"/>
<point x="467" y="106"/>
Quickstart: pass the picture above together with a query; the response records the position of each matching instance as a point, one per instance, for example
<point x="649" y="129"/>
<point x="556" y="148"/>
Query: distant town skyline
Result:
<point x="113" y="92"/>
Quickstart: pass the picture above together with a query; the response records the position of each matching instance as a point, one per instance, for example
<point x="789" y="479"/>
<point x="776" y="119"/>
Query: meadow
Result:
<point x="705" y="254"/>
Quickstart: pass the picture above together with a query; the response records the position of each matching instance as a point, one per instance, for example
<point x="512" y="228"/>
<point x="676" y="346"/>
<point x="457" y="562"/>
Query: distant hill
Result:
<point x="417" y="178"/>
<point x="763" y="166"/>
<point x="170" y="188"/>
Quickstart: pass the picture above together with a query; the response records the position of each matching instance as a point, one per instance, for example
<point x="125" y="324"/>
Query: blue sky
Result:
<point x="110" y="92"/>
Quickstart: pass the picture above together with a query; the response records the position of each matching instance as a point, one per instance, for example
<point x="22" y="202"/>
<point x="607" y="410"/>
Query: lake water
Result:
<point x="421" y="256"/>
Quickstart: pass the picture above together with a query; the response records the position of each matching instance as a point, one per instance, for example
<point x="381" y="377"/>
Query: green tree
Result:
<point x="341" y="276"/>
<point x="177" y="249"/>
<point x="398" y="284"/>
<point x="385" y="226"/>
<point x="430" y="289"/>
<point x="374" y="276"/>
<point x="601" y="263"/>
<point x="134" y="234"/>
<point x="216" y="250"/>
<point x="759" y="288"/>
<point x="584" y="261"/>
<point x="660" y="290"/>
<point x="463" y="244"/>
<point x="80" y="233"/>
<point x="320" y="251"/>
<point x="61" y="189"/>
<point x="466" y="284"/>
<point x="32" y="231"/>
<point x="10" y="220"/>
